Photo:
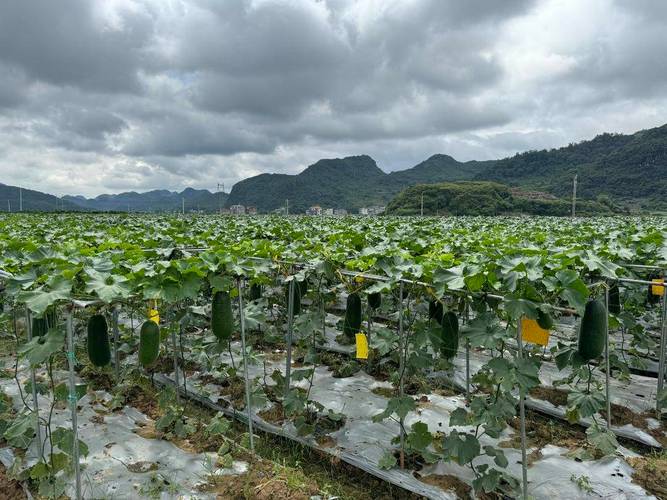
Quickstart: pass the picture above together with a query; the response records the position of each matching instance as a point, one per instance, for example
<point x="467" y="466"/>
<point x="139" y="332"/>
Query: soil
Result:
<point x="541" y="431"/>
<point x="448" y="482"/>
<point x="230" y="387"/>
<point x="99" y="381"/>
<point x="263" y="481"/>
<point x="165" y="364"/>
<point x="274" y="415"/>
<point x="9" y="488"/>
<point x="556" y="397"/>
<point x="384" y="392"/>
<point x="326" y="441"/>
<point x="651" y="474"/>
<point x="341" y="365"/>
<point x="145" y="403"/>
<point x="620" y="415"/>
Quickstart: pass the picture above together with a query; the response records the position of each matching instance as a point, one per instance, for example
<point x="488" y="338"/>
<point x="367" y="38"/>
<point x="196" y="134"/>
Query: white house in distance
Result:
<point x="377" y="210"/>
<point x="314" y="210"/>
<point x="327" y="211"/>
<point x="237" y="210"/>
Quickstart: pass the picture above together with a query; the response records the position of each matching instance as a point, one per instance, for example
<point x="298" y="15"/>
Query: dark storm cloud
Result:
<point x="154" y="93"/>
<point x="65" y="43"/>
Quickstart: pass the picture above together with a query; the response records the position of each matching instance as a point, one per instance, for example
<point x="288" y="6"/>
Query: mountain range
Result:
<point x="628" y="168"/>
<point x="159" y="200"/>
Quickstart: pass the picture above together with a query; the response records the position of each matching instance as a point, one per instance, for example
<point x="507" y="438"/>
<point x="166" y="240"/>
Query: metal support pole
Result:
<point x="116" y="354"/>
<point x="663" y="342"/>
<point x="606" y="354"/>
<point x="177" y="377"/>
<point x="73" y="401"/>
<point x="522" y="419"/>
<point x="467" y="358"/>
<point x="33" y="381"/>
<point x="401" y="369"/>
<point x="248" y="403"/>
<point x="290" y="321"/>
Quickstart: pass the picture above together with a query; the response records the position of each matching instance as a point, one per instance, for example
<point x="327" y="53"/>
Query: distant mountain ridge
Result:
<point x="631" y="168"/>
<point x="159" y="200"/>
<point x="351" y="183"/>
<point x="13" y="198"/>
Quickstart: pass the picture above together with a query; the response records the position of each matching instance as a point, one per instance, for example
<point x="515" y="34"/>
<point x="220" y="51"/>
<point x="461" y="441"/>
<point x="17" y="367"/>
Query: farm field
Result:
<point x="317" y="357"/>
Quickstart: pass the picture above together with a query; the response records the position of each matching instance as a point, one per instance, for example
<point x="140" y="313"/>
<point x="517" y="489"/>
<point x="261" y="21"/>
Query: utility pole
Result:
<point x="422" y="209"/>
<point x="287" y="207"/>
<point x="574" y="196"/>
<point x="9" y="206"/>
<point x="183" y="205"/>
<point x="20" y="199"/>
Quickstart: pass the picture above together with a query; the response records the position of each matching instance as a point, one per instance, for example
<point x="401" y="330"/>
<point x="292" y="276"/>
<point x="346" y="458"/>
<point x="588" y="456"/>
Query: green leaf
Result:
<point x="39" y="349"/>
<point x="64" y="439"/>
<point x="587" y="404"/>
<point x="21" y="431"/>
<point x="388" y="461"/>
<point x="458" y="417"/>
<point x="419" y="438"/>
<point x="518" y="307"/>
<point x="527" y="372"/>
<point x="61" y="392"/>
<point x="107" y="286"/>
<point x="58" y="288"/>
<point x="603" y="439"/>
<point x="400" y="406"/>
<point x="462" y="448"/>
<point x="219" y="425"/>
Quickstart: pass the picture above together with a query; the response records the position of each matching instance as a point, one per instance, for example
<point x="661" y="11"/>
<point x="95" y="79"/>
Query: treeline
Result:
<point x="483" y="198"/>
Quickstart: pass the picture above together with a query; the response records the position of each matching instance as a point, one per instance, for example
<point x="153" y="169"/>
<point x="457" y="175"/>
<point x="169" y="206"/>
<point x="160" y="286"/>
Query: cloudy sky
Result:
<point x="116" y="95"/>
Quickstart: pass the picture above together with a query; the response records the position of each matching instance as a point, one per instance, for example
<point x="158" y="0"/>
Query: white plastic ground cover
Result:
<point x="114" y="446"/>
<point x="637" y="394"/>
<point x="363" y="442"/>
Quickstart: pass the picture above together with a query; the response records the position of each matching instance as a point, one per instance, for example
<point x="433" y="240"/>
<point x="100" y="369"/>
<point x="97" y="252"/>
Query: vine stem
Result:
<point x="16" y="364"/>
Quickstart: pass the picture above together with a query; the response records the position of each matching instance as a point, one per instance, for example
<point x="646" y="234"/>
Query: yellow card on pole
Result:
<point x="658" y="290"/>
<point x="153" y="314"/>
<point x="533" y="333"/>
<point x="362" y="345"/>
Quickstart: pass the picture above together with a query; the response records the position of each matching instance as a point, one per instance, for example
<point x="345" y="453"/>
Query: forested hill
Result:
<point x="626" y="167"/>
<point x="351" y="183"/>
<point x="13" y="198"/>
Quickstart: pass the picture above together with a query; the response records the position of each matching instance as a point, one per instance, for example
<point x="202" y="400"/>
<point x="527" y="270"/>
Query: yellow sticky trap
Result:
<point x="658" y="290"/>
<point x="533" y="333"/>
<point x="153" y="314"/>
<point x="362" y="345"/>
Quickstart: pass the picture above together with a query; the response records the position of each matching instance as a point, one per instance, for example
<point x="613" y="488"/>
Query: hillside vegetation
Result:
<point x="626" y="167"/>
<point x="482" y="198"/>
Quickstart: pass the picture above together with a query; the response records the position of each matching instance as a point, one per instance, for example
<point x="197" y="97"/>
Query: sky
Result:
<point x="109" y="96"/>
